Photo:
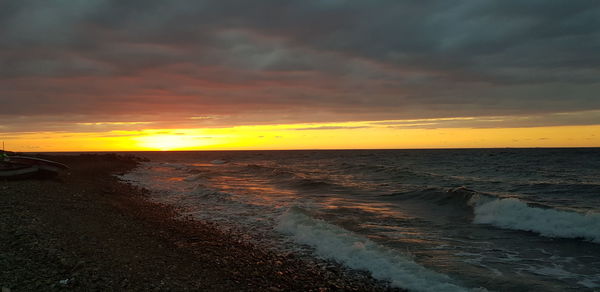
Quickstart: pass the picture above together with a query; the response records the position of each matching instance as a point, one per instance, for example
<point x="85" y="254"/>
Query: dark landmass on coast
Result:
<point x="86" y="230"/>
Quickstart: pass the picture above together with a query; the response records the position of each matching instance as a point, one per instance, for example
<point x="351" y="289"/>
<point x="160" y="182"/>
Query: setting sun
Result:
<point x="165" y="142"/>
<point x="351" y="135"/>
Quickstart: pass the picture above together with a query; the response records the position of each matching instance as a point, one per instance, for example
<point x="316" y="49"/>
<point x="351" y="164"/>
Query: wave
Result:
<point x="333" y="242"/>
<point x="195" y="177"/>
<point x="512" y="213"/>
<point x="310" y="184"/>
<point x="581" y="189"/>
<point x="288" y="178"/>
<point x="273" y="172"/>
<point x="460" y="196"/>
<point x="256" y="167"/>
<point x="202" y="191"/>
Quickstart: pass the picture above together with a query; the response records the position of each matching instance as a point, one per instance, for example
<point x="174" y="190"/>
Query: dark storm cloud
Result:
<point x="343" y="59"/>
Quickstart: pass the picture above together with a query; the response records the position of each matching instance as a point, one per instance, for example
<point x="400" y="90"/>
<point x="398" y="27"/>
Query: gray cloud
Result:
<point x="298" y="61"/>
<point x="584" y="118"/>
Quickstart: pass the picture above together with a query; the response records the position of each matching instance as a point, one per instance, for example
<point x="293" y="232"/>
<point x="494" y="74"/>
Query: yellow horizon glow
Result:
<point x="350" y="135"/>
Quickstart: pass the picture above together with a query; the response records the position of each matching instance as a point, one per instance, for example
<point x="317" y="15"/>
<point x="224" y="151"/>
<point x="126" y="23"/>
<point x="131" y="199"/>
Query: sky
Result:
<point x="100" y="75"/>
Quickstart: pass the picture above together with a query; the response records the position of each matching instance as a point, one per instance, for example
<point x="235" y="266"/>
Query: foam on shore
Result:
<point x="354" y="251"/>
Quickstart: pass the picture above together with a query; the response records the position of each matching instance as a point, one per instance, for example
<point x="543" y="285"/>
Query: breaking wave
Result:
<point x="513" y="213"/>
<point x="333" y="242"/>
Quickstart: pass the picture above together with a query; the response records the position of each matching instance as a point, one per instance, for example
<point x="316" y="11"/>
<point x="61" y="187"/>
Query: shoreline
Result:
<point x="88" y="231"/>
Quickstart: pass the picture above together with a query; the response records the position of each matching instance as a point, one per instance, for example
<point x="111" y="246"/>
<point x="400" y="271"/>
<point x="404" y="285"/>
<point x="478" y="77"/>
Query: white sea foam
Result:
<point x="333" y="242"/>
<point x="254" y="201"/>
<point x="512" y="213"/>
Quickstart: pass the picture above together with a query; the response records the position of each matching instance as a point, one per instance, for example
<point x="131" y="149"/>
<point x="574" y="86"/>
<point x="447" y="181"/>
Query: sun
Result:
<point x="166" y="142"/>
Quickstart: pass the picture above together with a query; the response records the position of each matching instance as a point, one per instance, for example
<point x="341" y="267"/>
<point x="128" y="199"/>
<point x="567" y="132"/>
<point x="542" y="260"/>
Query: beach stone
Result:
<point x="126" y="242"/>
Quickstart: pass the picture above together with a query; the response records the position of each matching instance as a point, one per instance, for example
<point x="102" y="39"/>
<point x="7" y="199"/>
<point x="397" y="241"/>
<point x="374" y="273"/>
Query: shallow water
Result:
<point x="425" y="220"/>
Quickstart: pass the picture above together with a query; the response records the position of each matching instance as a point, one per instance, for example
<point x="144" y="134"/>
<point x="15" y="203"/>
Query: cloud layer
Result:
<point x="271" y="61"/>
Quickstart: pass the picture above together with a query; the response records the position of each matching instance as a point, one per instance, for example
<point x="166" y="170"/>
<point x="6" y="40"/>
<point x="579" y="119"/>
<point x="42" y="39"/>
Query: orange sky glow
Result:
<point x="350" y="135"/>
<point x="228" y="75"/>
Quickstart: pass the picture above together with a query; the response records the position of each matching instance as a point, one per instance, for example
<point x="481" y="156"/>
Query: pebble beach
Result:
<point x="86" y="230"/>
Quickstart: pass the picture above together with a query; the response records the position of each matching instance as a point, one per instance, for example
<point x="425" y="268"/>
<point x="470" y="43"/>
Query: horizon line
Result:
<point x="315" y="149"/>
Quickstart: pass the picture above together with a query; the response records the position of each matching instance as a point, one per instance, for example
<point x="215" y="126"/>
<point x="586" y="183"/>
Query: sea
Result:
<point x="422" y="220"/>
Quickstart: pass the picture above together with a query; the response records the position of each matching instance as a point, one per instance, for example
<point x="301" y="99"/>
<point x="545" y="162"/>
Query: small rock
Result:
<point x="63" y="282"/>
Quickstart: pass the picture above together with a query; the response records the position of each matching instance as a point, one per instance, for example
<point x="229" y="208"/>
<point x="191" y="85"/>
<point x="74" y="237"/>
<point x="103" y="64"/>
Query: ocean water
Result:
<point x="424" y="220"/>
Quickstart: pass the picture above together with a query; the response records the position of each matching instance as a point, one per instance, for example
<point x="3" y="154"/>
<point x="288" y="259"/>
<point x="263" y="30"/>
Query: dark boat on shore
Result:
<point x="18" y="167"/>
